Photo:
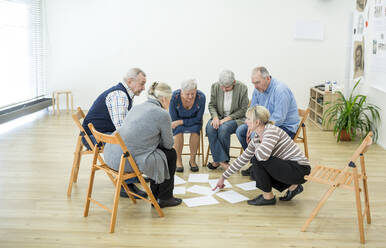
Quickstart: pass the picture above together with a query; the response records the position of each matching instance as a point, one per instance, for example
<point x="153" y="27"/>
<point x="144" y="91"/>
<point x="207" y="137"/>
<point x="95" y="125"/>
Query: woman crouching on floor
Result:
<point x="276" y="160"/>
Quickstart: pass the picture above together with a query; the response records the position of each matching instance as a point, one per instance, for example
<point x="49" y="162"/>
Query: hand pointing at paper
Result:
<point x="220" y="184"/>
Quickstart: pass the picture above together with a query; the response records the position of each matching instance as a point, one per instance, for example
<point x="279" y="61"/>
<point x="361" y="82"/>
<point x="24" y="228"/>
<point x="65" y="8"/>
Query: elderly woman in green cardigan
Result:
<point x="227" y="107"/>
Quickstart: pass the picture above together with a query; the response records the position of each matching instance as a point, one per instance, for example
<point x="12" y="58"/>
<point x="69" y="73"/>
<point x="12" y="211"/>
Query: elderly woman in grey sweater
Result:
<point x="147" y="133"/>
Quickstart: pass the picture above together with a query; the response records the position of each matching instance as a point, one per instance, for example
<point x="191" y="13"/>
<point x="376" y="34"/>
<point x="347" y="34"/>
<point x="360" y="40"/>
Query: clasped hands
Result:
<point x="216" y="122"/>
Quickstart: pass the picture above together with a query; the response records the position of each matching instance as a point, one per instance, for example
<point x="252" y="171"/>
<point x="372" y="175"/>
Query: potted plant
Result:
<point x="352" y="116"/>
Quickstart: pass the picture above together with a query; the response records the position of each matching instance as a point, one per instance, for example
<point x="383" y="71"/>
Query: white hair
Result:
<point x="226" y="78"/>
<point x="133" y="73"/>
<point x="263" y="71"/>
<point x="189" y="84"/>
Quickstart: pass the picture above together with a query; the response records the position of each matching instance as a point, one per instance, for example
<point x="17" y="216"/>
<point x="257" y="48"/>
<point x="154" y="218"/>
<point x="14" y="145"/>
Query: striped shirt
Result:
<point x="117" y="104"/>
<point x="274" y="143"/>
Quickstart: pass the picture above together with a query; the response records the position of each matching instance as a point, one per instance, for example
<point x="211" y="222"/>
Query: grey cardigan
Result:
<point x="146" y="127"/>
<point x="239" y="105"/>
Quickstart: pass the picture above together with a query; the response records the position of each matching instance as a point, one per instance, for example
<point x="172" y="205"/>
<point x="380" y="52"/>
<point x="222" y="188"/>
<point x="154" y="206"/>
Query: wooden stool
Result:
<point x="55" y="99"/>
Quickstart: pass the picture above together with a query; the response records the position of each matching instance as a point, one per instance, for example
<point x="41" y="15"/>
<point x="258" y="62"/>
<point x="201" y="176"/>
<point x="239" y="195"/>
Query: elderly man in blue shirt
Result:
<point x="278" y="99"/>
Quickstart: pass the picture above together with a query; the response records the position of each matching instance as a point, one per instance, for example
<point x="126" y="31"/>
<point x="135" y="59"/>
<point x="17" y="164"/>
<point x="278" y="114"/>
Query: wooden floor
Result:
<point x="35" y="163"/>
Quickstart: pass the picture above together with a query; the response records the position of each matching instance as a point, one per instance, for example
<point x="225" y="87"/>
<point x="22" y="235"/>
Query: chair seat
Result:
<point x="326" y="175"/>
<point x="113" y="172"/>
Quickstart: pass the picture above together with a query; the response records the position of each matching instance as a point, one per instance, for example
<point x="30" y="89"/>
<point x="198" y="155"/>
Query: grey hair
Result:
<point x="189" y="84"/>
<point x="133" y="73"/>
<point x="263" y="71"/>
<point x="226" y="78"/>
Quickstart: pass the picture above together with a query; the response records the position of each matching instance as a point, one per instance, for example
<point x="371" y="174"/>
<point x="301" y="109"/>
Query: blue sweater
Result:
<point x="280" y="102"/>
<point x="99" y="115"/>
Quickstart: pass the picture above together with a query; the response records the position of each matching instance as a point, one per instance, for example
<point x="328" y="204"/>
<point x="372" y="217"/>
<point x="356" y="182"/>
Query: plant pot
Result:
<point x="344" y="136"/>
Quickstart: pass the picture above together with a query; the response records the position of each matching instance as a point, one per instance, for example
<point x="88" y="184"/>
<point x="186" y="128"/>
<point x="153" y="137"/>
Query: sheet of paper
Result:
<point x="213" y="183"/>
<point x="232" y="196"/>
<point x="247" y="186"/>
<point x="179" y="191"/>
<point x="202" y="190"/>
<point x="178" y="180"/>
<point x="200" y="201"/>
<point x="198" y="178"/>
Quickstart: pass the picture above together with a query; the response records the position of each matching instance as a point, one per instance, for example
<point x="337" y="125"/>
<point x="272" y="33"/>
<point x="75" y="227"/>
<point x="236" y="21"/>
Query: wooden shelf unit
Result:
<point x="317" y="107"/>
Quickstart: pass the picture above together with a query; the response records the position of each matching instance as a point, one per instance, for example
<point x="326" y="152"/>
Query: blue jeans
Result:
<point x="220" y="139"/>
<point x="92" y="138"/>
<point x="242" y="130"/>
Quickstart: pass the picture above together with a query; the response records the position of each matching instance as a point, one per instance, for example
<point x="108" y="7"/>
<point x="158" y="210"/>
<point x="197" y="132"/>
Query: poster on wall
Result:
<point x="361" y="5"/>
<point x="358" y="58"/>
<point x="378" y="42"/>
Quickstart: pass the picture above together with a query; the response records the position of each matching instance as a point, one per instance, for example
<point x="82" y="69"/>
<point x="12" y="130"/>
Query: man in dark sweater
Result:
<point x="110" y="109"/>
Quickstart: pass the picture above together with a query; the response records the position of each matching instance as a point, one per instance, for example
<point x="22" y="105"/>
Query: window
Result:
<point x="20" y="51"/>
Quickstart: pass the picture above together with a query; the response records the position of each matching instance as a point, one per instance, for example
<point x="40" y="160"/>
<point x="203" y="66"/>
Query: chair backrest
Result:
<point x="78" y="118"/>
<point x="304" y="114"/>
<point x="359" y="152"/>
<point x="113" y="139"/>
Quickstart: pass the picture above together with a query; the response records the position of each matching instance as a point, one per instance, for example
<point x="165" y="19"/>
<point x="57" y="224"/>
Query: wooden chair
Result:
<point x="79" y="151"/>
<point x="200" y="149"/>
<point x="302" y="128"/>
<point x="208" y="153"/>
<point x="347" y="178"/>
<point x="55" y="100"/>
<point x="119" y="176"/>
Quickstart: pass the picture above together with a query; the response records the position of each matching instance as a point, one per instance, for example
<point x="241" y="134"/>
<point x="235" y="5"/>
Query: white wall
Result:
<point x="91" y="43"/>
<point x="375" y="96"/>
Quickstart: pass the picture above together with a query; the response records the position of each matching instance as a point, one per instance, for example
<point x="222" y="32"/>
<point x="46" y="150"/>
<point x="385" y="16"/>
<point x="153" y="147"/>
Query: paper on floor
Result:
<point x="247" y="186"/>
<point x="213" y="183"/>
<point x="202" y="190"/>
<point x="232" y="196"/>
<point x="178" y="180"/>
<point x="200" y="201"/>
<point x="198" y="178"/>
<point x="179" y="191"/>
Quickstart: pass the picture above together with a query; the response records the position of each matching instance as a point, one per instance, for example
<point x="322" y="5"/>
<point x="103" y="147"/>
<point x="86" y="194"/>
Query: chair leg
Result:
<point x="318" y="207"/>
<point x="366" y="192"/>
<point x="57" y="103"/>
<point x="67" y="103"/>
<point x="207" y="155"/>
<point x="78" y="164"/>
<point x="151" y="196"/>
<point x="127" y="192"/>
<point x="305" y="142"/>
<point x="72" y="103"/>
<point x="89" y="191"/>
<point x="115" y="205"/>
<point x="74" y="169"/>
<point x="359" y="206"/>
<point x="53" y="102"/>
<point x="202" y="148"/>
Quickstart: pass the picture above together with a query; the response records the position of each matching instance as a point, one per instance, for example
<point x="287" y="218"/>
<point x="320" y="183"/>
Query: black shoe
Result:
<point x="169" y="202"/>
<point x="291" y="194"/>
<point x="133" y="188"/>
<point x="180" y="169"/>
<point x="193" y="168"/>
<point x="246" y="172"/>
<point x="260" y="201"/>
<point x="212" y="167"/>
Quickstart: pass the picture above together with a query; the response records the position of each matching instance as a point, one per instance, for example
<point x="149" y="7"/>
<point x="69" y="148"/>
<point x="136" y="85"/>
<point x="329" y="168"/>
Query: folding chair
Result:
<point x="347" y="178"/>
<point x="208" y="153"/>
<point x="200" y="149"/>
<point x="119" y="176"/>
<point x="79" y="152"/>
<point x="302" y="128"/>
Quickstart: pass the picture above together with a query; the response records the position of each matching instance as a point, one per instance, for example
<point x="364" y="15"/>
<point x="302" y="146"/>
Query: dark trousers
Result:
<point x="277" y="173"/>
<point x="164" y="190"/>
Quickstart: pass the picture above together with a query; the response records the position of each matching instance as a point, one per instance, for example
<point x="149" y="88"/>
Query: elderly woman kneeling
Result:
<point x="277" y="162"/>
<point x="186" y="109"/>
<point x="147" y="133"/>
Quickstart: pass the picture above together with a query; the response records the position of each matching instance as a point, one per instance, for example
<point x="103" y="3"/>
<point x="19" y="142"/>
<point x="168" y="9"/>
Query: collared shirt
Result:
<point x="228" y="102"/>
<point x="281" y="104"/>
<point x="117" y="104"/>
